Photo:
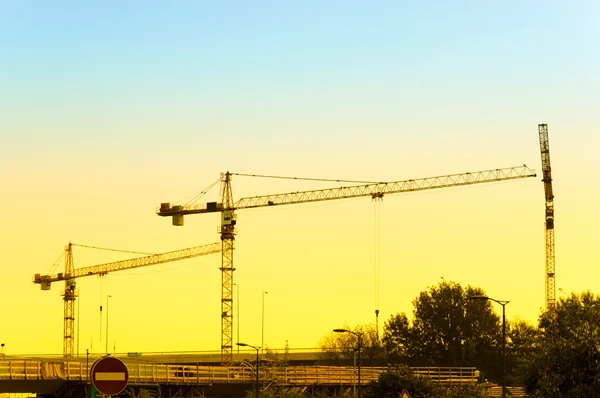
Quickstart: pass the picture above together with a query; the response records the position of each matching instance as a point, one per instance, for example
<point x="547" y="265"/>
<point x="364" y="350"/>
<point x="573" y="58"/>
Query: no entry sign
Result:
<point x="109" y="375"/>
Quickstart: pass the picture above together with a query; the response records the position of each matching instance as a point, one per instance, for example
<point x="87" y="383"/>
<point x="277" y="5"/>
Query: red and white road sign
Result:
<point x="109" y="375"/>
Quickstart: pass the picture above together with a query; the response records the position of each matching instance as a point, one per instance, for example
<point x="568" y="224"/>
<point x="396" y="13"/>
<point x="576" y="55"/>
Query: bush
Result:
<point x="391" y="383"/>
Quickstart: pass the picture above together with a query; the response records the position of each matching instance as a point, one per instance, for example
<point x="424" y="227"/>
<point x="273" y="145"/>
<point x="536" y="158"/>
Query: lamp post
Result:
<point x="256" y="348"/>
<point x="503" y="304"/>
<point x="78" y="322"/>
<point x="263" y="320"/>
<point x="107" y="297"/>
<point x="359" y="337"/>
<point x="237" y="299"/>
<point x="87" y="372"/>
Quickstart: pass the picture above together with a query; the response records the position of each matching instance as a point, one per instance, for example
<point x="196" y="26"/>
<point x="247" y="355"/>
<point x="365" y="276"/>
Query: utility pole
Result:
<point x="107" y="297"/>
<point x="263" y="321"/>
<point x="237" y="299"/>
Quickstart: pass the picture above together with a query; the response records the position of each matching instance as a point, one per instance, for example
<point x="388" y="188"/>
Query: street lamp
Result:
<point x="358" y="336"/>
<point x="503" y="304"/>
<point x="263" y="320"/>
<point x="256" y="348"/>
<point x="107" y="297"/>
<point x="237" y="299"/>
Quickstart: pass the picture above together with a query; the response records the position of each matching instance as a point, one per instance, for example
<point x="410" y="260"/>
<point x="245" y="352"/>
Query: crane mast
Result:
<point x="549" y="216"/>
<point x="70" y="292"/>
<point x="376" y="190"/>
<point x="227" y="239"/>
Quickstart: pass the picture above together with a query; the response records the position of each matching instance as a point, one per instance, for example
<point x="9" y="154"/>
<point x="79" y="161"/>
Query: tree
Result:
<point x="338" y="348"/>
<point x="397" y="339"/>
<point x="391" y="383"/>
<point x="520" y="346"/>
<point x="466" y="391"/>
<point x="566" y="359"/>
<point x="449" y="329"/>
<point x="280" y="361"/>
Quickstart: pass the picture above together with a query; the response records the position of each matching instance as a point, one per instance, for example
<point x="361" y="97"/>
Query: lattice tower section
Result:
<point x="228" y="221"/>
<point x="549" y="217"/>
<point x="69" y="296"/>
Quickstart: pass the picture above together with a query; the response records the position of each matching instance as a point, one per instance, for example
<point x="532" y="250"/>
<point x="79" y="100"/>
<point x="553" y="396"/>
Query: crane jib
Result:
<point x="123" y="265"/>
<point x="373" y="190"/>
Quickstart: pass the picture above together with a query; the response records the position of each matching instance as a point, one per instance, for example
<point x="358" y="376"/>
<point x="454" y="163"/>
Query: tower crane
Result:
<point x="227" y="208"/>
<point x="71" y="273"/>
<point x="547" y="179"/>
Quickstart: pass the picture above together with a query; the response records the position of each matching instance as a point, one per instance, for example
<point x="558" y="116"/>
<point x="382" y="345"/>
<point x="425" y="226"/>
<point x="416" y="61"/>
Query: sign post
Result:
<point x="109" y="376"/>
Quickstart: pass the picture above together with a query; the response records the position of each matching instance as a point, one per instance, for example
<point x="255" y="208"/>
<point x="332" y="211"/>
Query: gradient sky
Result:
<point x="108" y="109"/>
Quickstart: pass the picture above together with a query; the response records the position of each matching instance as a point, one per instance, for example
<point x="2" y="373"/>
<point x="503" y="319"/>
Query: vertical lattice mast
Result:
<point x="69" y="296"/>
<point x="547" y="179"/>
<point x="228" y="221"/>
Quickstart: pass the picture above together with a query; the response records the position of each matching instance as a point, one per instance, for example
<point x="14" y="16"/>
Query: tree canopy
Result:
<point x="337" y="348"/>
<point x="566" y="360"/>
<point x="453" y="330"/>
<point x="447" y="328"/>
<point x="391" y="384"/>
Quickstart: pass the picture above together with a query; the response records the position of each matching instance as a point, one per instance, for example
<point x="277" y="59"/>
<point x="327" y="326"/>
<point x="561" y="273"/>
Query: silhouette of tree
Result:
<point x="340" y="348"/>
<point x="447" y="329"/>
<point x="566" y="362"/>
<point x="391" y="384"/>
<point x="397" y="339"/>
<point x="522" y="339"/>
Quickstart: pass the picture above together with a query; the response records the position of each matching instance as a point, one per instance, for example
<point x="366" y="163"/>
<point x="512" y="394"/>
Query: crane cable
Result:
<point x="377" y="254"/>
<point x="55" y="265"/>
<point x="306" y="178"/>
<point x="203" y="192"/>
<point x="112" y="250"/>
<point x="101" y="296"/>
<point x="154" y="271"/>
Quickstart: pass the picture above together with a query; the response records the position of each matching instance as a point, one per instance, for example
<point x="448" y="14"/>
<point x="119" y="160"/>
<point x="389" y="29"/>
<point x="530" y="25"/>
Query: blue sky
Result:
<point x="187" y="61"/>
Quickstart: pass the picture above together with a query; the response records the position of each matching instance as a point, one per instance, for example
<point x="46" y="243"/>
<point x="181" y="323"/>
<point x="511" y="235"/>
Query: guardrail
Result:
<point x="449" y="375"/>
<point x="149" y="373"/>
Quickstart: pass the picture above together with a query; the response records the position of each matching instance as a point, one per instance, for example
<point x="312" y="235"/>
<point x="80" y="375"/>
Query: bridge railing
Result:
<point x="152" y="373"/>
<point x="449" y="375"/>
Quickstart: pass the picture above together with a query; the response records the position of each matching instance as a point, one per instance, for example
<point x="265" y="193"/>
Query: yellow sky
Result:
<point x="316" y="261"/>
<point x="104" y="115"/>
